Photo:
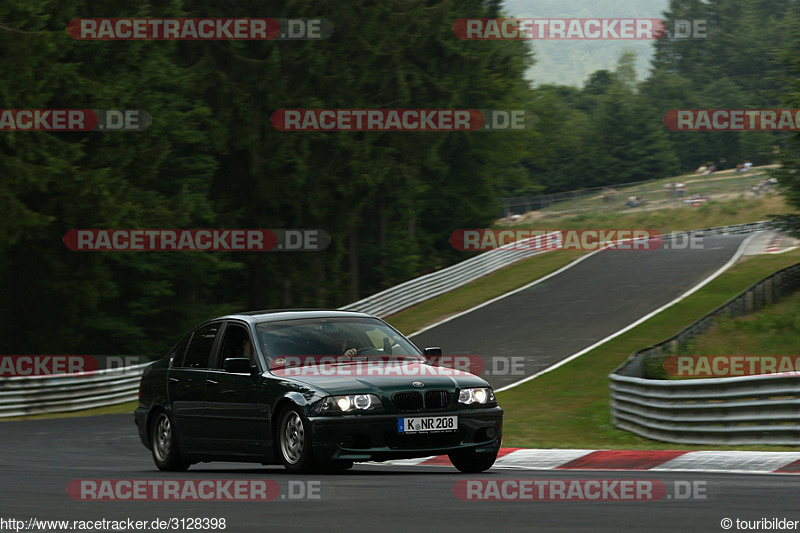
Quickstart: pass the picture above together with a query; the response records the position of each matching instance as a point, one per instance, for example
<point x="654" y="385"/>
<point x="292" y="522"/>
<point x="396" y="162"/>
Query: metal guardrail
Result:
<point x="737" y="411"/>
<point x="431" y="285"/>
<point x="31" y="395"/>
<point x="20" y="396"/>
<point x="651" y="192"/>
<point x="763" y="409"/>
<point x="418" y="290"/>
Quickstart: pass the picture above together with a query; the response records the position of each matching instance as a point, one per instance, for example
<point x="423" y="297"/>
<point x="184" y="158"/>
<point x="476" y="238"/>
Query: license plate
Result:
<point x="427" y="424"/>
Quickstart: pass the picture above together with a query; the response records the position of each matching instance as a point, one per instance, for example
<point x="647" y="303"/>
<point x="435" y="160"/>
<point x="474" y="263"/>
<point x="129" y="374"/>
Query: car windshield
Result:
<point x="305" y="341"/>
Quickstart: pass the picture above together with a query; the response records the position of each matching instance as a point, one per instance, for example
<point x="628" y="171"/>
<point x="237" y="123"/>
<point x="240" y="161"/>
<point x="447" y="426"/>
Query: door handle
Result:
<point x="212" y="382"/>
<point x="174" y="380"/>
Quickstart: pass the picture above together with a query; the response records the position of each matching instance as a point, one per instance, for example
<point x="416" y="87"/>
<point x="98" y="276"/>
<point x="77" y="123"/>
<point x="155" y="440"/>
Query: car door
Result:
<point x="186" y="383"/>
<point x="236" y="423"/>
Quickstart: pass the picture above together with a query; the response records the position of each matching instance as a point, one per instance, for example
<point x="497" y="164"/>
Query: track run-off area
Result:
<point x="545" y="323"/>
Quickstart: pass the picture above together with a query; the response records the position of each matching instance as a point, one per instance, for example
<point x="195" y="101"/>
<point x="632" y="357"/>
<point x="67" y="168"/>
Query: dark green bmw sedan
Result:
<point x="312" y="390"/>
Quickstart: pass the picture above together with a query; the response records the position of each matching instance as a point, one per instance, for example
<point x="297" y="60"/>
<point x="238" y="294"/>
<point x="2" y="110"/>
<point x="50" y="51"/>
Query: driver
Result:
<point x="341" y="345"/>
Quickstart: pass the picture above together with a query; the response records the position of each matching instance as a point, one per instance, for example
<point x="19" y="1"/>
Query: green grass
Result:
<point x="709" y="215"/>
<point x="569" y="407"/>
<point x="723" y="182"/>
<point x="495" y="284"/>
<point x="121" y="408"/>
<point x="525" y="427"/>
<point x="773" y="331"/>
<point x="498" y="283"/>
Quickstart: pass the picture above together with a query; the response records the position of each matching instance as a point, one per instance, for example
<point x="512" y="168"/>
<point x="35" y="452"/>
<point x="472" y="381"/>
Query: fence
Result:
<point x="423" y="288"/>
<point x="761" y="409"/>
<point x="49" y="394"/>
<point x="31" y="395"/>
<point x="652" y="194"/>
<point x="430" y="285"/>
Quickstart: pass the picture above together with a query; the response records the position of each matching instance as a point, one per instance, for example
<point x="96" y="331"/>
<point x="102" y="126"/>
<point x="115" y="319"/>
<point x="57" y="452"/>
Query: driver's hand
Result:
<point x="351" y="352"/>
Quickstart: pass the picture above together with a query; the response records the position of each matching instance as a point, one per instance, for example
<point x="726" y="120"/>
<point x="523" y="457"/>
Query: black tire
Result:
<point x="293" y="438"/>
<point x="164" y="444"/>
<point x="472" y="462"/>
<point x="335" y="467"/>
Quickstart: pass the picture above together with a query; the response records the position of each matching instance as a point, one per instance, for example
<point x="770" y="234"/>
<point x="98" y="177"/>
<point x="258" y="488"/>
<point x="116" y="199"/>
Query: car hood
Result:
<point x="354" y="377"/>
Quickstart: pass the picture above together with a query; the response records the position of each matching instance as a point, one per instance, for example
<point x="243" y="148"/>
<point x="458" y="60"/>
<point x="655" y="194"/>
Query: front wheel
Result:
<point x="163" y="441"/>
<point x="294" y="441"/>
<point x="473" y="462"/>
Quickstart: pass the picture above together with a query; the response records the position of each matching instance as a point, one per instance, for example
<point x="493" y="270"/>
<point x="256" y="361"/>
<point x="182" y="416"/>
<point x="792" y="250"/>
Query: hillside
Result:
<point x="571" y="62"/>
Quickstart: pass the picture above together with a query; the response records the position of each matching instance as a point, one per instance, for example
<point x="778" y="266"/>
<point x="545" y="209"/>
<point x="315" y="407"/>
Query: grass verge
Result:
<point x="524" y="272"/>
<point x="773" y="331"/>
<point x="713" y="214"/>
<point x="495" y="284"/>
<point x="709" y="215"/>
<point x="569" y="407"/>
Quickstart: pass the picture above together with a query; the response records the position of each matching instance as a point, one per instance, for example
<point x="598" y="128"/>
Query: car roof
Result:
<point x="272" y="315"/>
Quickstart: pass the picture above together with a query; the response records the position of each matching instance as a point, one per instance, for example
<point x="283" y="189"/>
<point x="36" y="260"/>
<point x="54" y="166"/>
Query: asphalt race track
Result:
<point x="549" y="321"/>
<point x="564" y="314"/>
<point x="40" y="458"/>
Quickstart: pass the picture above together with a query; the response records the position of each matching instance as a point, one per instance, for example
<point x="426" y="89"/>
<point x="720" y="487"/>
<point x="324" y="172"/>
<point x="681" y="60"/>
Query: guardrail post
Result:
<point x="730" y="410"/>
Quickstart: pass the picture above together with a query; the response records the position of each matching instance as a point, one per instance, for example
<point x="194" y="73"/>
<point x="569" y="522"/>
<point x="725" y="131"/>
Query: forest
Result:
<point x="389" y="200"/>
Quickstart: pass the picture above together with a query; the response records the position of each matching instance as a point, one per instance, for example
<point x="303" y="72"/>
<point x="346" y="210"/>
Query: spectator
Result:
<point x="696" y="200"/>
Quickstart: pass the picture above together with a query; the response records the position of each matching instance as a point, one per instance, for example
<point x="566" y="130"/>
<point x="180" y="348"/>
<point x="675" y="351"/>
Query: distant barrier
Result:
<point x="615" y="197"/>
<point x="30" y="395"/>
<point x="418" y="290"/>
<point x="762" y="409"/>
<point x="431" y="285"/>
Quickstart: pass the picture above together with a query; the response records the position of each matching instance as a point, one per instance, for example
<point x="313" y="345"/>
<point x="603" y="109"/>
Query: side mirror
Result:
<point x="432" y="352"/>
<point x="237" y="365"/>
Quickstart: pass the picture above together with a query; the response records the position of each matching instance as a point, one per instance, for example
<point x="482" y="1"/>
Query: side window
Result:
<point x="178" y="351"/>
<point x="200" y="347"/>
<point x="235" y="343"/>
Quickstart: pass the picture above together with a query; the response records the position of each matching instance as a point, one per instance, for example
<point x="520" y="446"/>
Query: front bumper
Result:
<point x="375" y="437"/>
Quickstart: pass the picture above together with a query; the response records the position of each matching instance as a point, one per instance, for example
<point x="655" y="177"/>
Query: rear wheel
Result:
<point x="163" y="441"/>
<point x="334" y="467"/>
<point x="472" y="462"/>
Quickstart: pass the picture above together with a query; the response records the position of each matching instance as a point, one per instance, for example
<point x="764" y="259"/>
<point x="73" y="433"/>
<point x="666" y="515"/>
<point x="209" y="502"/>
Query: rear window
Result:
<point x="199" y="350"/>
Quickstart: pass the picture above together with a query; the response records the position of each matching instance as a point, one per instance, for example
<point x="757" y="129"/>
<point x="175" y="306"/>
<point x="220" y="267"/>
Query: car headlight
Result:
<point x="481" y="396"/>
<point x="348" y="404"/>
